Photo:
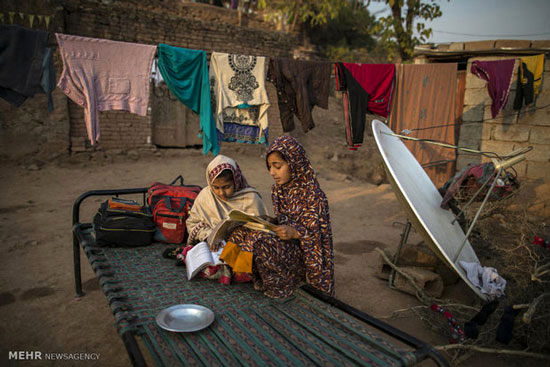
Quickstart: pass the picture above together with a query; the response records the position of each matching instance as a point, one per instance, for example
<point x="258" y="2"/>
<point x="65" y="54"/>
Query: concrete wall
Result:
<point x="509" y="131"/>
<point x="188" y="25"/>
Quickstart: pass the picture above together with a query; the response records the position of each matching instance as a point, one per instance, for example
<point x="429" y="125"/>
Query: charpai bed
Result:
<point x="249" y="329"/>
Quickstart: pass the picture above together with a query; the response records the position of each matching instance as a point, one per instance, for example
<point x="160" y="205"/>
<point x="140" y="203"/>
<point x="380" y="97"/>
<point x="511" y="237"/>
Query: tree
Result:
<point x="347" y="37"/>
<point x="341" y="29"/>
<point x="297" y="13"/>
<point x="397" y="30"/>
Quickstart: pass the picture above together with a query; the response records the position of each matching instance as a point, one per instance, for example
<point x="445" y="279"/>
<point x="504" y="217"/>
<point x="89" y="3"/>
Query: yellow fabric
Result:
<point x="240" y="261"/>
<point x="535" y="64"/>
<point x="243" y="264"/>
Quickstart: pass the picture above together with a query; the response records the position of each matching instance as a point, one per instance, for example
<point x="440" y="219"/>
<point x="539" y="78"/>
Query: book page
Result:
<point x="240" y="216"/>
<point x="221" y="231"/>
<point x="216" y="254"/>
<point x="197" y="259"/>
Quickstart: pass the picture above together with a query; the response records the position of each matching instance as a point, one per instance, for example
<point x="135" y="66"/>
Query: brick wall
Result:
<point x="189" y="25"/>
<point x="509" y="131"/>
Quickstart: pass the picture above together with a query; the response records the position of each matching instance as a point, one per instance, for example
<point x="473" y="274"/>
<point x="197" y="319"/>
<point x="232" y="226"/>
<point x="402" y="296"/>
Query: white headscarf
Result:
<point x="208" y="210"/>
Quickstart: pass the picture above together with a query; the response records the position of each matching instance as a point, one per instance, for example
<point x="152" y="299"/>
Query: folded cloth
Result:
<point x="240" y="261"/>
<point x="485" y="278"/>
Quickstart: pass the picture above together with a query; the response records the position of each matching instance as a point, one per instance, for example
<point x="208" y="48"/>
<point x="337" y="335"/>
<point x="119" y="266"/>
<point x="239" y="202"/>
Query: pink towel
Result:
<point x="102" y="75"/>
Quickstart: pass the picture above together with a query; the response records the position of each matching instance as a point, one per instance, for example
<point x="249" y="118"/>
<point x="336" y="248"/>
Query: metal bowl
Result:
<point x="185" y="318"/>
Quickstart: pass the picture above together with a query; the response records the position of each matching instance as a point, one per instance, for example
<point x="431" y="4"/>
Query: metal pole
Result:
<point x="477" y="215"/>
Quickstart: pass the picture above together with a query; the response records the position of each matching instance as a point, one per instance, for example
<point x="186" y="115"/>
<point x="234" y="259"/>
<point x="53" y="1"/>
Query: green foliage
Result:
<point x="299" y="12"/>
<point x="396" y="30"/>
<point x="341" y="29"/>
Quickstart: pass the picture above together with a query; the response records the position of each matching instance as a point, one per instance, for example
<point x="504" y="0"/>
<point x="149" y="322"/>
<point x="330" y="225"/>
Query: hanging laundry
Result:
<point x="498" y="75"/>
<point x="26" y="65"/>
<point x="300" y="86"/>
<point x="156" y="76"/>
<point x="355" y="100"/>
<point x="185" y="72"/>
<point x="425" y="97"/>
<point x="102" y="75"/>
<point x="238" y="82"/>
<point x="378" y="81"/>
<point x="485" y="278"/>
<point x="239" y="125"/>
<point x="529" y="80"/>
<point x="47" y="80"/>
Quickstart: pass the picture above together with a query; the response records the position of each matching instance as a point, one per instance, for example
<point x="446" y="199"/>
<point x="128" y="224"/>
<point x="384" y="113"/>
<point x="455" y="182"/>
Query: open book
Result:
<point x="200" y="256"/>
<point x="237" y="218"/>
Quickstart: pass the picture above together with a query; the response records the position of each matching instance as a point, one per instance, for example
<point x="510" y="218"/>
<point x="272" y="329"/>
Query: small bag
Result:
<point x="170" y="205"/>
<point x="169" y="216"/>
<point x="119" y="223"/>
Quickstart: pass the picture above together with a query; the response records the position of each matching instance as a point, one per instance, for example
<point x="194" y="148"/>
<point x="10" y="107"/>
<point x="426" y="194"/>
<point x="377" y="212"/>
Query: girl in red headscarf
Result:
<point x="301" y="248"/>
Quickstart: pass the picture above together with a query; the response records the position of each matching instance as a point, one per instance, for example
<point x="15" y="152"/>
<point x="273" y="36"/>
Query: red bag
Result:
<point x="170" y="205"/>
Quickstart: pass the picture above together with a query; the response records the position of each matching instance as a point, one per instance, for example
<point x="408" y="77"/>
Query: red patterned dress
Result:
<point x="281" y="266"/>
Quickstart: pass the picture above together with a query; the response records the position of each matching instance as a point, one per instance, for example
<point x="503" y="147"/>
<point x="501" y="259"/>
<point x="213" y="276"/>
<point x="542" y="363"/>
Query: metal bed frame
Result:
<point x="422" y="350"/>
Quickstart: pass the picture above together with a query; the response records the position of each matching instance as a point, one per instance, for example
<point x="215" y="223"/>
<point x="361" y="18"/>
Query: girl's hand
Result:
<point x="214" y="246"/>
<point x="286" y="232"/>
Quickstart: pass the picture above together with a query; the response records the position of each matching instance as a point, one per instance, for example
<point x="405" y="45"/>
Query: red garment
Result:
<point x="377" y="80"/>
<point x="498" y="74"/>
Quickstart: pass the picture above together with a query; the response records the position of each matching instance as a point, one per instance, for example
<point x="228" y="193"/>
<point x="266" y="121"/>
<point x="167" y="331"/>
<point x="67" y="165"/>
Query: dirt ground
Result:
<point x="38" y="308"/>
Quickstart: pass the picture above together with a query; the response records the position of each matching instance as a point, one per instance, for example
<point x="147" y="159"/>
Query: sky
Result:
<point x="476" y="20"/>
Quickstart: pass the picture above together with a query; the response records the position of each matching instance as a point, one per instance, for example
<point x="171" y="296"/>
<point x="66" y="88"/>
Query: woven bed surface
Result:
<point x="249" y="329"/>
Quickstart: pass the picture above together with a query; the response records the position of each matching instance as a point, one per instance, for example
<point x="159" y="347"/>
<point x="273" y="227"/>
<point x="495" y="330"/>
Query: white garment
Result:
<point x="485" y="278"/>
<point x="239" y="80"/>
<point x="156" y="76"/>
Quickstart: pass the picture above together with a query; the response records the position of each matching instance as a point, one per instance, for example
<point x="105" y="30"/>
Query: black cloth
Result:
<point x="358" y="102"/>
<point x="525" y="93"/>
<point x="22" y="53"/>
<point x="505" y="328"/>
<point x="471" y="327"/>
<point x="301" y="85"/>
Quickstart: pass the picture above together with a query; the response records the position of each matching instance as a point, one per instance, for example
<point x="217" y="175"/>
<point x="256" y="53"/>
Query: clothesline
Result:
<point x="236" y="86"/>
<point x="408" y="131"/>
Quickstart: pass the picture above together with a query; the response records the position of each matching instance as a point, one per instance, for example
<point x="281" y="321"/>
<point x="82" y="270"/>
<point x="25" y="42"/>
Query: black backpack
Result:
<point x="120" y="227"/>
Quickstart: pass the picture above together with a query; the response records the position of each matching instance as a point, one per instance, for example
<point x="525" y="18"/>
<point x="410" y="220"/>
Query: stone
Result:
<point x="540" y="44"/>
<point x="539" y="117"/>
<point x="498" y="147"/>
<point x="456" y="46"/>
<point x="133" y="154"/>
<point x="540" y="152"/>
<point x="512" y="44"/>
<point x="476" y="96"/>
<point x="517" y="133"/>
<point x="473" y="81"/>
<point x="428" y="281"/>
<point x="479" y="45"/>
<point x="540" y="135"/>
<point x="538" y="170"/>
<point x="473" y="113"/>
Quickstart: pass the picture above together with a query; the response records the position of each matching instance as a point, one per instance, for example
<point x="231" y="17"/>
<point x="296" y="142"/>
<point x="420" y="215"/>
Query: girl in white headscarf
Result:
<point x="227" y="189"/>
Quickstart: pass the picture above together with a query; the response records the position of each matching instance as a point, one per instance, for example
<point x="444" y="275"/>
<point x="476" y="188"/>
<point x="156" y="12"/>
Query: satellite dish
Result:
<point x="422" y="201"/>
